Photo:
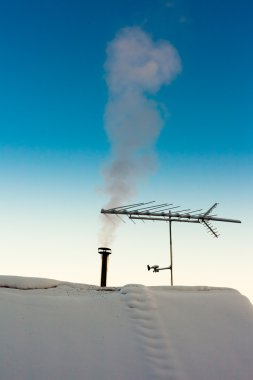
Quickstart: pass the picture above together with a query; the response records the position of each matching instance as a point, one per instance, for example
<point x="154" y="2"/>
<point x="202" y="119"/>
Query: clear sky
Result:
<point x="53" y="144"/>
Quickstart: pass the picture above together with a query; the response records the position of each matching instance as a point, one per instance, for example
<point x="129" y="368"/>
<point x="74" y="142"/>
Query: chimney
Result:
<point x="105" y="252"/>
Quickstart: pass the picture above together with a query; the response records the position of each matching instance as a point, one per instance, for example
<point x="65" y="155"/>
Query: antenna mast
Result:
<point x="166" y="212"/>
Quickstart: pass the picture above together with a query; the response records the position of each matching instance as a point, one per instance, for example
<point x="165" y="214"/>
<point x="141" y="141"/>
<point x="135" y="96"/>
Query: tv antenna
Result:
<point x="169" y="213"/>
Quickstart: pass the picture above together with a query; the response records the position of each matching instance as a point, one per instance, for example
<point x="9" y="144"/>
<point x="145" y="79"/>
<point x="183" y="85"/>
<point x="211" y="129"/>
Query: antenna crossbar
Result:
<point x="161" y="212"/>
<point x="162" y="219"/>
<point x="166" y="216"/>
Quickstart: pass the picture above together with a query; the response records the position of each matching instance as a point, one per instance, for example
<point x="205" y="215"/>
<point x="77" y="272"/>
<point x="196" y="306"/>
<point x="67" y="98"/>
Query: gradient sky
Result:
<point x="53" y="144"/>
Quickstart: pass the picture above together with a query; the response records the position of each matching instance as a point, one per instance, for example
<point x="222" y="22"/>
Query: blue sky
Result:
<point x="53" y="143"/>
<point x="52" y="88"/>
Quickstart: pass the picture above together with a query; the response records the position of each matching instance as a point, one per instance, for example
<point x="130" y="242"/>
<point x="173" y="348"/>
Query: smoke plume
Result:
<point x="136" y="67"/>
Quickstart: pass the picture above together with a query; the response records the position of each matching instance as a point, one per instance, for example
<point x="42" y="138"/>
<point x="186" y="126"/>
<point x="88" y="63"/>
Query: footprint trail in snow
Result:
<point x="150" y="338"/>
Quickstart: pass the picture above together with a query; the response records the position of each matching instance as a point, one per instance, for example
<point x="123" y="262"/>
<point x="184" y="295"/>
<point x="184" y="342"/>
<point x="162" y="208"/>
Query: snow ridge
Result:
<point x="26" y="283"/>
<point x="158" y="355"/>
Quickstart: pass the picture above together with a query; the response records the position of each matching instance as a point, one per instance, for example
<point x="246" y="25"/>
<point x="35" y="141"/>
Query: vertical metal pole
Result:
<point x="171" y="258"/>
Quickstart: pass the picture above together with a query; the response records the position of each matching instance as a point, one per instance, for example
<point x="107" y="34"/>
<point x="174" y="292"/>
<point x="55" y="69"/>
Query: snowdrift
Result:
<point x="58" y="330"/>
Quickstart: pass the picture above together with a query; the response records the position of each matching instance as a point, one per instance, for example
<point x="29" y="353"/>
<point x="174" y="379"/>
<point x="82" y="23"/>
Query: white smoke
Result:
<point x="136" y="68"/>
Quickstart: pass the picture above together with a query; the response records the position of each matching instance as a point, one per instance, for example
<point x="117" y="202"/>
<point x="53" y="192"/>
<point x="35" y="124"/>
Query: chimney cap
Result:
<point x="102" y="250"/>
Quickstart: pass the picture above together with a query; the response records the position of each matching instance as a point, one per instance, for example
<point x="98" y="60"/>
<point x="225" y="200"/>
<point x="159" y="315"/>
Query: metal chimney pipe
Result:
<point x="105" y="252"/>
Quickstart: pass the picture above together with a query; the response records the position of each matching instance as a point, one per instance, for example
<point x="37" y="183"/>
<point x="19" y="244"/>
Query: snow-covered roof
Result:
<point x="58" y="330"/>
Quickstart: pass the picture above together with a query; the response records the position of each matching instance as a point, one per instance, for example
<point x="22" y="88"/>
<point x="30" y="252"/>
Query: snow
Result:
<point x="27" y="282"/>
<point x="57" y="330"/>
